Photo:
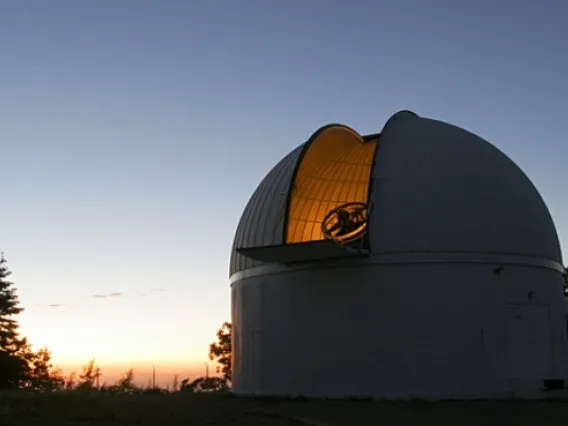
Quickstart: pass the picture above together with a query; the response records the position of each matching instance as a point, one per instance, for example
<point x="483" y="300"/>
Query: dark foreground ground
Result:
<point x="74" y="408"/>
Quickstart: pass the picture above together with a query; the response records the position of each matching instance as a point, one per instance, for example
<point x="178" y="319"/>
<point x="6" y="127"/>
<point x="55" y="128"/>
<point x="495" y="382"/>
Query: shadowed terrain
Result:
<point x="86" y="408"/>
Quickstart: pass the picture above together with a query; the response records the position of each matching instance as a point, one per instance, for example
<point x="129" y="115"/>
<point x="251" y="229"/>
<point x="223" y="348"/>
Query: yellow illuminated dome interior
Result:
<point x="335" y="169"/>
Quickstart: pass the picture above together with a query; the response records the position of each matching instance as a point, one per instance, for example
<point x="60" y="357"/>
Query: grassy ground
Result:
<point x="75" y="408"/>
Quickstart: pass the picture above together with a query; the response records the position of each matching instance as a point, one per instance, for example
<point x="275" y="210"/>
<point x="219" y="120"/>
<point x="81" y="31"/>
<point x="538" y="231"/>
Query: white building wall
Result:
<point x="396" y="331"/>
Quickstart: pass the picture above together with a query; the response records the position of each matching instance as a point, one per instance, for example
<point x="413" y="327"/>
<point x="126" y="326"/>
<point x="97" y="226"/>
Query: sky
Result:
<point x="133" y="132"/>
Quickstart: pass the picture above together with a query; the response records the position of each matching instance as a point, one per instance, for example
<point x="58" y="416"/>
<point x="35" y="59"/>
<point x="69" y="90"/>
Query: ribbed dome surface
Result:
<point x="435" y="188"/>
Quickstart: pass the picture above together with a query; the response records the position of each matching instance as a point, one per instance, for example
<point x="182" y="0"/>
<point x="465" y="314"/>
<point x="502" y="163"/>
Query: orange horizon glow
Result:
<point x="118" y="336"/>
<point x="143" y="372"/>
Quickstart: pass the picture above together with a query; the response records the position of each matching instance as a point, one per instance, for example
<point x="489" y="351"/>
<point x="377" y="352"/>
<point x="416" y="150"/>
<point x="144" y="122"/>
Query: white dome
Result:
<point x="434" y="188"/>
<point x="446" y="265"/>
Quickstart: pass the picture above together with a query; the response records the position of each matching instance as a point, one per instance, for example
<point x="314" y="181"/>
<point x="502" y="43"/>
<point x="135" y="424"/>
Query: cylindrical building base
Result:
<point x="408" y="330"/>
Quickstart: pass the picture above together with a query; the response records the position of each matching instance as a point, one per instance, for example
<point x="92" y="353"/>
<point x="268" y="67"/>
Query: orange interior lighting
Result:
<point x="335" y="169"/>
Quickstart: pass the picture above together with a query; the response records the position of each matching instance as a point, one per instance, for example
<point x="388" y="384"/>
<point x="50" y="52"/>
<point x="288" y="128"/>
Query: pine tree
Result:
<point x="13" y="366"/>
<point x="20" y="366"/>
<point x="10" y="340"/>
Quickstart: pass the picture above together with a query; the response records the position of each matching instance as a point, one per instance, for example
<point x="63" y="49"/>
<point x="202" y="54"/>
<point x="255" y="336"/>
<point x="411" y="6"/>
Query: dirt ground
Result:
<point x="74" y="409"/>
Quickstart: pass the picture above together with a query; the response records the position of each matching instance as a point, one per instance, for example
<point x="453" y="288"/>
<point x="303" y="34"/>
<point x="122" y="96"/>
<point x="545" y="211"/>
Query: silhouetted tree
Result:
<point x="220" y="350"/>
<point x="90" y="377"/>
<point x="40" y="374"/>
<point x="125" y="385"/>
<point x="11" y="370"/>
<point x="185" y="385"/>
<point x="58" y="381"/>
<point x="71" y="381"/>
<point x="204" y="384"/>
<point x="126" y="382"/>
<point x="20" y="366"/>
<point x="13" y="365"/>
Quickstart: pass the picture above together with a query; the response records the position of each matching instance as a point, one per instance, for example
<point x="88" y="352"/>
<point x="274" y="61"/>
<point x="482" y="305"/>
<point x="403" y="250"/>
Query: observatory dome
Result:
<point x="423" y="241"/>
<point x="431" y="187"/>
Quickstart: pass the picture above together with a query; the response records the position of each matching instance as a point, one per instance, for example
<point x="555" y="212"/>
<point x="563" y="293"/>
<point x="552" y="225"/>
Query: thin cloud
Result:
<point x="142" y="294"/>
<point x="55" y="305"/>
<point x="106" y="296"/>
<point x="157" y="290"/>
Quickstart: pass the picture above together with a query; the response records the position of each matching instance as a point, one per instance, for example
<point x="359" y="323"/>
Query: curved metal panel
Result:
<point x="262" y="221"/>
<point x="440" y="188"/>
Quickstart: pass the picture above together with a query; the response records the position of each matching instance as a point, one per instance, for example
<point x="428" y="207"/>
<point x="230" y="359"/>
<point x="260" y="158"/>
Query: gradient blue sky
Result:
<point x="132" y="134"/>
